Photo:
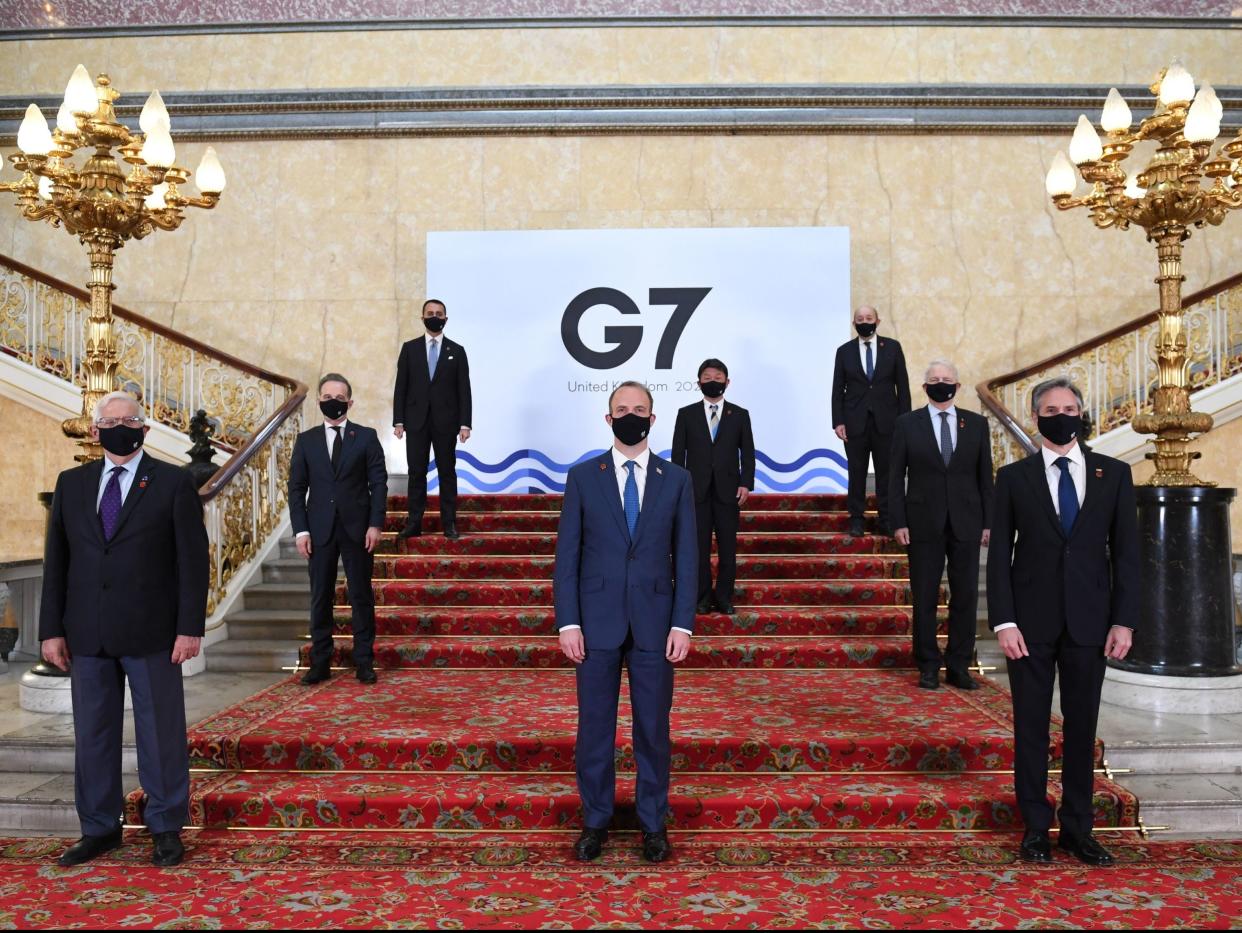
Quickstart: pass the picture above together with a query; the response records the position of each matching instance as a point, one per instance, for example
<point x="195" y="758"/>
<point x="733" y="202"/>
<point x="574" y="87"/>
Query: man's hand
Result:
<point x="840" y="429"/>
<point x="373" y="537"/>
<point x="1012" y="643"/>
<point x="56" y="652"/>
<point x="398" y="431"/>
<point x="185" y="647"/>
<point x="573" y="645"/>
<point x="742" y="495"/>
<point x="987" y="537"/>
<point x="464" y="435"/>
<point x="902" y="535"/>
<point x="1119" y="641"/>
<point x="678" y="646"/>
<point x="304" y="546"/>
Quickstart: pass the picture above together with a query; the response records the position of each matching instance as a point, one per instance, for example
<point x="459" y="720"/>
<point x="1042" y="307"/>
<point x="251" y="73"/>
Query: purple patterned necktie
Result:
<point x="110" y="504"/>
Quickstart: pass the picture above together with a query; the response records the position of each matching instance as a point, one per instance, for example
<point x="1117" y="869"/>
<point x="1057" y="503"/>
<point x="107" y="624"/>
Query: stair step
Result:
<point x="42" y="802"/>
<point x="244" y="654"/>
<point x="547" y="521"/>
<point x="1189" y="803"/>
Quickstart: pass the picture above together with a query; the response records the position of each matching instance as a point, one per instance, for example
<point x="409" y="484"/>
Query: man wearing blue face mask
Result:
<point x="1062" y="600"/>
<point x="338" y="493"/>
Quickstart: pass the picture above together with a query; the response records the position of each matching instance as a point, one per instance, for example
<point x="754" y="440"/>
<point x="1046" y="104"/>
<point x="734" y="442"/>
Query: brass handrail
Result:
<point x="1215" y="314"/>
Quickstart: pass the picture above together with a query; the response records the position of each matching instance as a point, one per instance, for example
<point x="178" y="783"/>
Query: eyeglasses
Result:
<point x="133" y="421"/>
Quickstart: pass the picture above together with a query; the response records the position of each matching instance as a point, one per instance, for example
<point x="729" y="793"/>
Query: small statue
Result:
<point x="201" y="453"/>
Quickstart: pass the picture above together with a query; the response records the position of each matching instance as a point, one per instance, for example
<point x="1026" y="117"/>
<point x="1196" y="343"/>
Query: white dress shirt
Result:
<point x="874" y="340"/>
<point x="707" y="411"/>
<point x="1052" y="472"/>
<point x="126" y="478"/>
<point x="935" y="413"/>
<point x="619" y="460"/>
<point x="329" y="435"/>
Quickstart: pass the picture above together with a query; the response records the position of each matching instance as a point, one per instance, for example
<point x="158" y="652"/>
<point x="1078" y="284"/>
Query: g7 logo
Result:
<point x="626" y="339"/>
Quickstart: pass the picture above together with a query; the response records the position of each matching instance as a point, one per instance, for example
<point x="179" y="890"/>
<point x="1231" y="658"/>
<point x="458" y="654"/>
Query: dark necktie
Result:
<point x="110" y="504"/>
<point x="631" y="498"/>
<point x="336" y="447"/>
<point x="946" y="438"/>
<point x="1067" y="495"/>
<point x="870" y="360"/>
<point x="715" y="422"/>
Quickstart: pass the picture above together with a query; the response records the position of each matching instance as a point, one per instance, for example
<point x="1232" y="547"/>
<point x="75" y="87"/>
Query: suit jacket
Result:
<point x="356" y="493"/>
<point x="730" y="459"/>
<point x="133" y="595"/>
<point x="445" y="399"/>
<point x="924" y="494"/>
<point x="885" y="396"/>
<point x="1047" y="582"/>
<point x="612" y="586"/>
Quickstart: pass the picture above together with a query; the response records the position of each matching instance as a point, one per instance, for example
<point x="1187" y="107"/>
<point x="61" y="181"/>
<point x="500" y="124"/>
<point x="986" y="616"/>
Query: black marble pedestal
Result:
<point x="1187" y="615"/>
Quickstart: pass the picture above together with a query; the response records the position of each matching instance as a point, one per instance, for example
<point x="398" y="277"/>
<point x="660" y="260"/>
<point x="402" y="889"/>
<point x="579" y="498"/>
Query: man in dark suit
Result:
<point x="712" y="439"/>
<point x="1063" y="599"/>
<point x="338" y="493"/>
<point x="624" y="590"/>
<point x="125" y="576"/>
<point x="941" y="499"/>
<point x="431" y="408"/>
<point x="869" y="390"/>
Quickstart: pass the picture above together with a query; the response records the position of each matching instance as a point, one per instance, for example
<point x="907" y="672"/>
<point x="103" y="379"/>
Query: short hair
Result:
<point x="713" y="364"/>
<point x="631" y="384"/>
<point x="946" y="364"/>
<point x="336" y="377"/>
<point x="116" y="397"/>
<point x="435" y="301"/>
<point x="871" y="308"/>
<point x="1060" y="382"/>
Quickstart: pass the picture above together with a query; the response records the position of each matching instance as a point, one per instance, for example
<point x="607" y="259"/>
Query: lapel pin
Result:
<point x="142" y="483"/>
<point x="961" y="422"/>
<point x="660" y="471"/>
<point x="603" y="466"/>
<point x="1099" y="473"/>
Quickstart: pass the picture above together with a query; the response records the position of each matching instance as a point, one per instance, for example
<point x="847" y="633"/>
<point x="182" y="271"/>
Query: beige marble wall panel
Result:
<point x="533" y="174"/>
<point x="34" y="454"/>
<point x="766" y="173"/>
<point x="787" y="54"/>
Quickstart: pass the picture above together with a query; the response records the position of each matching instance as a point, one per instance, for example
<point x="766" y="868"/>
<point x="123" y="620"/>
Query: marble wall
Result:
<point x="34" y="454"/>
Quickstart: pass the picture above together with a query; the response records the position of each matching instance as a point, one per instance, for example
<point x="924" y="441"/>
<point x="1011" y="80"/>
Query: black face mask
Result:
<point x="434" y="324"/>
<point x="1060" y="429"/>
<point x="865" y="330"/>
<point x="940" y="391"/>
<point x="713" y="389"/>
<point x="121" y="441"/>
<point x="631" y="429"/>
<point x="333" y="408"/>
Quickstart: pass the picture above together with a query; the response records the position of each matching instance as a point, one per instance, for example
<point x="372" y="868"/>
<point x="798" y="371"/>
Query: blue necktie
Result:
<point x="433" y="358"/>
<point x="631" y="498"/>
<point x="110" y="504"/>
<point x="1067" y="495"/>
<point x="715" y="423"/>
<point x="870" y="361"/>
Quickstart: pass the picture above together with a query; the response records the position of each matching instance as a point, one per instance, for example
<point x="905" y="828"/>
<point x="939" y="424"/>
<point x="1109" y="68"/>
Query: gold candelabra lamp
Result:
<point x="1185" y="184"/>
<point x="101" y="205"/>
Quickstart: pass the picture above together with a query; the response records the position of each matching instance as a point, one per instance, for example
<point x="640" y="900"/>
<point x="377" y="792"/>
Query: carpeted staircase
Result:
<point x="800" y="713"/>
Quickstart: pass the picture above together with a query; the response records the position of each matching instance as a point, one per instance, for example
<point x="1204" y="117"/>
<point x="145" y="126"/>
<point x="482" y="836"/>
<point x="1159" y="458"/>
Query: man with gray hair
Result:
<point x="941" y="501"/>
<point x="125" y="575"/>
<point x="1063" y="599"/>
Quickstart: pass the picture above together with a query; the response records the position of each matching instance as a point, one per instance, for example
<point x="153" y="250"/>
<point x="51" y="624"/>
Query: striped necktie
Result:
<point x="715" y="422"/>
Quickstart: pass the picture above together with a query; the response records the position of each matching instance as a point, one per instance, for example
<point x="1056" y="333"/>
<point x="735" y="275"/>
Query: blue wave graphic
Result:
<point x="469" y="458"/>
<point x="802" y="461"/>
<point x="800" y="483"/>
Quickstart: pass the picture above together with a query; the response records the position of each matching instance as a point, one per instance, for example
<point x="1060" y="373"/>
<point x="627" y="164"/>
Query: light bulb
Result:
<point x="210" y="173"/>
<point x="1132" y="186"/>
<point x="66" y="122"/>
<point x="1116" y="113"/>
<point x="1202" y="122"/>
<point x="45" y="188"/>
<point x="155" y="200"/>
<point x="33" y="136"/>
<point x="1085" y="146"/>
<point x="1177" y="86"/>
<point x="154" y="114"/>
<point x="80" y="93"/>
<point x="1209" y="95"/>
<point x="1061" y="176"/>
<point x="157" y="149"/>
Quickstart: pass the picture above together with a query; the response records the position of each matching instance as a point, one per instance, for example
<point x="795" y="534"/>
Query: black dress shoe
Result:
<point x="366" y="674"/>
<point x="317" y="674"/>
<point x="590" y="844"/>
<point x="704" y="606"/>
<point x="412" y="529"/>
<point x="450" y="532"/>
<point x="89" y="847"/>
<point x="929" y="680"/>
<point x="168" y="850"/>
<point x="960" y="679"/>
<point x="726" y="606"/>
<point x="656" y="847"/>
<point x="856" y="528"/>
<point x="1035" y="846"/>
<point x="1085" y="848"/>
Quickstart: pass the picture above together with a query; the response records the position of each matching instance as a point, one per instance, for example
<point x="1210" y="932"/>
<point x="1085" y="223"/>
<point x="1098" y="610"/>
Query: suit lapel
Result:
<point x="1095" y="487"/>
<point x="962" y="429"/>
<point x="347" y="443"/>
<point x="933" y="436"/>
<point x="421" y="348"/>
<point x="651" y="494"/>
<point x="1039" y="483"/>
<point x="607" y="474"/>
<point x="138" y="488"/>
<point x="90" y="495"/>
<point x="444" y="351"/>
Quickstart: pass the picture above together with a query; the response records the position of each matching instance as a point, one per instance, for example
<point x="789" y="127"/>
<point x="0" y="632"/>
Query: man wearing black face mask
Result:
<point x="869" y="390"/>
<point x="1064" y="599"/>
<point x="712" y="439"/>
<point x="941" y="497"/>
<point x="431" y="408"/>
<point x="338" y="493"/>
<point x="125" y="576"/>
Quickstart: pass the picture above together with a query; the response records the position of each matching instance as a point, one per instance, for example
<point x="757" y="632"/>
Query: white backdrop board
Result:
<point x="553" y="320"/>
